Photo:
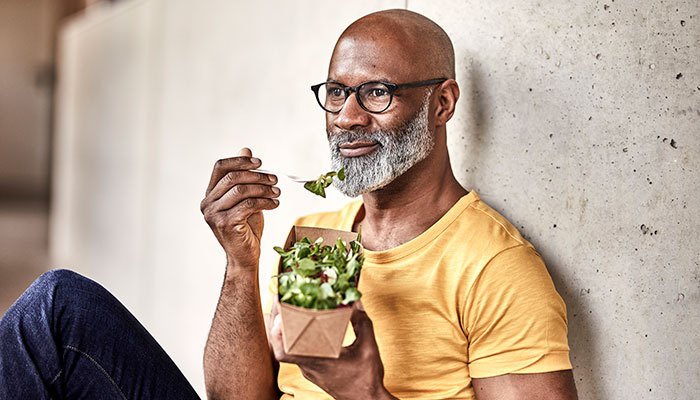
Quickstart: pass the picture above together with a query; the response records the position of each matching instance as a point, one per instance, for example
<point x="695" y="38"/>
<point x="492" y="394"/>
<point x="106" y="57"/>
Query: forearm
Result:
<point x="237" y="359"/>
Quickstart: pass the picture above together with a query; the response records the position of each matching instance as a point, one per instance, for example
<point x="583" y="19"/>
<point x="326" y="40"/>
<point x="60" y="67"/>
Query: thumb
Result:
<point x="245" y="152"/>
<point x="361" y="323"/>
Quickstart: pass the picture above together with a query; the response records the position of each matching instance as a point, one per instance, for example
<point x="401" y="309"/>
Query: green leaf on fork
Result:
<point x="319" y="186"/>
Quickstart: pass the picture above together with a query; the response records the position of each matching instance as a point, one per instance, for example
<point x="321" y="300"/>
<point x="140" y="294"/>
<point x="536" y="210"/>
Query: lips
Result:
<point x="357" y="149"/>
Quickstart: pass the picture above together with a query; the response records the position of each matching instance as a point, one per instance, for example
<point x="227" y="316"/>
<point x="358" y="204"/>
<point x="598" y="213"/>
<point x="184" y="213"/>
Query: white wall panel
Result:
<point x="102" y="175"/>
<point x="152" y="94"/>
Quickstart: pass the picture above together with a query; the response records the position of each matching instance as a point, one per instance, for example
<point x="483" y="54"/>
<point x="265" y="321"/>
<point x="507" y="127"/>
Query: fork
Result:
<point x="293" y="178"/>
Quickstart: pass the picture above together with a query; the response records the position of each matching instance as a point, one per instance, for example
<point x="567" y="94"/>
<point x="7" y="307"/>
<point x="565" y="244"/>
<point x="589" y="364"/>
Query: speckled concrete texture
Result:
<point x="580" y="122"/>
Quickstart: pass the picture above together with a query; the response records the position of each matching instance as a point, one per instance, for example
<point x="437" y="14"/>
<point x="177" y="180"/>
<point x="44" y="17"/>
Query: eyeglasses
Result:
<point x="374" y="96"/>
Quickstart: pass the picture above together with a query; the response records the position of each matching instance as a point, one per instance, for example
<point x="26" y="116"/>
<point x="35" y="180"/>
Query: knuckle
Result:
<point x="220" y="163"/>
<point x="230" y="177"/>
<point x="238" y="190"/>
<point x="209" y="216"/>
<point x="209" y="219"/>
<point x="249" y="203"/>
<point x="218" y="221"/>
<point x="241" y="161"/>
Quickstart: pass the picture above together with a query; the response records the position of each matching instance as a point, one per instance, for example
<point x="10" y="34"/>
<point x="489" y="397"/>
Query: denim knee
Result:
<point x="35" y="305"/>
<point x="58" y="277"/>
<point x="43" y="290"/>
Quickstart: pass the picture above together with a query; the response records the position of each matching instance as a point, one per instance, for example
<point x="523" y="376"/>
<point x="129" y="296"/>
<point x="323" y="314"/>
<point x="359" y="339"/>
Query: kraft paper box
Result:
<point x="307" y="332"/>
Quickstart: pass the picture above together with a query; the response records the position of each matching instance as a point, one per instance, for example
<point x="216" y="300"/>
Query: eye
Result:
<point x="335" y="92"/>
<point x="377" y="92"/>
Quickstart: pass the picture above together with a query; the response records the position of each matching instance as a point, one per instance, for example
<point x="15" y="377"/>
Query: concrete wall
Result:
<point x="578" y="121"/>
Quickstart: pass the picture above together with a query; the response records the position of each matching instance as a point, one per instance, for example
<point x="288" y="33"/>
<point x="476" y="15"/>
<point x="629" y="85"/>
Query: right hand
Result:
<point x="233" y="207"/>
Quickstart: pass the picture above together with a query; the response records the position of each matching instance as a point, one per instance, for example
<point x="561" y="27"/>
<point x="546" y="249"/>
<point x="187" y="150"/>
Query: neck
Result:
<point x="409" y="205"/>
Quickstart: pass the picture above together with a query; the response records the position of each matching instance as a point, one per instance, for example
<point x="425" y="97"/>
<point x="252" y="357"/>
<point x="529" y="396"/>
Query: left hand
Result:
<point x="357" y="374"/>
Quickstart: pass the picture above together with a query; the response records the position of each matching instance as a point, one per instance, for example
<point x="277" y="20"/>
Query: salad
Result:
<point x="320" y="276"/>
<point x="319" y="186"/>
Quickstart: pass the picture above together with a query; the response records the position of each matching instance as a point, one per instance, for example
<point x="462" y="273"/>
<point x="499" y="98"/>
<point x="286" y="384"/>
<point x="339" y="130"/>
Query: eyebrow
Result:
<point x="381" y="79"/>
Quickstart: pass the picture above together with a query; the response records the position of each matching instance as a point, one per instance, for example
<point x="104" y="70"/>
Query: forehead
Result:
<point x="356" y="60"/>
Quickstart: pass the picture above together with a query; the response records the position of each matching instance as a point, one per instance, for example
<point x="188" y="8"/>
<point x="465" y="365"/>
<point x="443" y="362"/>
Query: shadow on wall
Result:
<point x="474" y="104"/>
<point x="581" y="336"/>
<point x="473" y="108"/>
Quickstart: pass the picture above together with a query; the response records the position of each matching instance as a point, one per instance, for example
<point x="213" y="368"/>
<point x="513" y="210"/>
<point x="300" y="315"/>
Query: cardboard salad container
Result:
<point x="317" y="333"/>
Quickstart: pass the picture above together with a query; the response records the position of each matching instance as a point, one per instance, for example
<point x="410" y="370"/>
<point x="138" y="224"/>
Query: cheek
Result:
<point x="393" y="121"/>
<point x="401" y="112"/>
<point x="330" y="124"/>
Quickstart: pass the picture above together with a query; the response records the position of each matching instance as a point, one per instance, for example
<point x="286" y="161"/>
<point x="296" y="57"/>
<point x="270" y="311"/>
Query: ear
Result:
<point x="447" y="95"/>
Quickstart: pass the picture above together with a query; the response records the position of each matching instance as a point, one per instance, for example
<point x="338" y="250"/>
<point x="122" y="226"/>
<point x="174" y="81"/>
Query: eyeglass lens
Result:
<point x="374" y="96"/>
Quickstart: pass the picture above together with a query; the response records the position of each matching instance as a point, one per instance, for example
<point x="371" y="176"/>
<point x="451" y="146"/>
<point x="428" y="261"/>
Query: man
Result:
<point x="455" y="303"/>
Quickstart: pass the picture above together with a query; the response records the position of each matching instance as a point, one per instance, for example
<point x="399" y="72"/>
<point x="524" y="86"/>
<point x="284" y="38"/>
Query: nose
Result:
<point x="351" y="116"/>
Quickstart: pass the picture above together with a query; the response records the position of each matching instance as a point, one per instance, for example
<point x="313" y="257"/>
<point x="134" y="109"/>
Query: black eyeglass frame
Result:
<point x="392" y="87"/>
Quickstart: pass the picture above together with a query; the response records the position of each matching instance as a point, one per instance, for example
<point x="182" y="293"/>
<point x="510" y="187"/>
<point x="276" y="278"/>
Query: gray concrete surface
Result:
<point x="578" y="121"/>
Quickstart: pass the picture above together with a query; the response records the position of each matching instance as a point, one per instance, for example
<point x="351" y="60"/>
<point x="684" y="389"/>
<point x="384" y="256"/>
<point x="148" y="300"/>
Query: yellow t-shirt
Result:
<point x="467" y="298"/>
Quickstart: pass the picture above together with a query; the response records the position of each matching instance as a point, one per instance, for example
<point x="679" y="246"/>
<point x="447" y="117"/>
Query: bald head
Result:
<point x="402" y="148"/>
<point x="410" y="41"/>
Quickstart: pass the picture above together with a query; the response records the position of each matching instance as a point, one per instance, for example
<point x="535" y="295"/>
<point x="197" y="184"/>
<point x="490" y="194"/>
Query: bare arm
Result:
<point x="557" y="385"/>
<point x="237" y="358"/>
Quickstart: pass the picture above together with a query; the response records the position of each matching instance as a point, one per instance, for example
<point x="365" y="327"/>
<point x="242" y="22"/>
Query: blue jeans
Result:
<point x="67" y="337"/>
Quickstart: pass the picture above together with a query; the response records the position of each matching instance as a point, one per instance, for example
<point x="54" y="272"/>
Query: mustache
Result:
<point x="338" y="137"/>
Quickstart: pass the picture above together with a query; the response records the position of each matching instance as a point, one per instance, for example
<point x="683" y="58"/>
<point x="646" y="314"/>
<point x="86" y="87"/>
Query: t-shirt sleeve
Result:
<point x="514" y="317"/>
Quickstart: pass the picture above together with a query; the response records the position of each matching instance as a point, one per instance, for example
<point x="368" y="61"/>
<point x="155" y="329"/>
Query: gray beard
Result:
<point x="398" y="151"/>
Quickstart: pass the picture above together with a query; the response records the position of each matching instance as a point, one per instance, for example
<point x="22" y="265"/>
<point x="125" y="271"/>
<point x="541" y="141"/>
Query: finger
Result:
<point x="248" y="207"/>
<point x="240" y="193"/>
<point x="225" y="165"/>
<point x="364" y="332"/>
<point x="276" y="339"/>
<point x="271" y="317"/>
<point x="245" y="152"/>
<point x="277" y="343"/>
<point x="233" y="178"/>
<point x="275" y="306"/>
<point x="361" y="323"/>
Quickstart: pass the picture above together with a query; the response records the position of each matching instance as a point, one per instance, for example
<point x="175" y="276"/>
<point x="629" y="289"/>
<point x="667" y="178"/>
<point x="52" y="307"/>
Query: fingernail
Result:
<point x="275" y="201"/>
<point x="275" y="190"/>
<point x="255" y="160"/>
<point x="272" y="178"/>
